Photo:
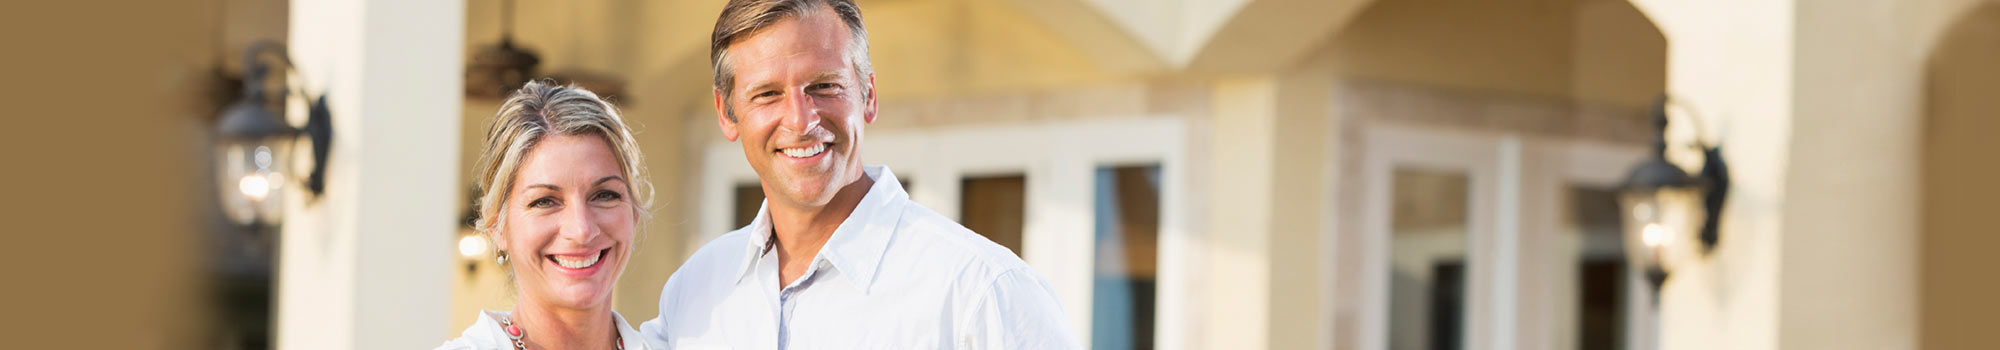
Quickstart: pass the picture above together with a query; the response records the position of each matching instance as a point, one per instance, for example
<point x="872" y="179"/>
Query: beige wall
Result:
<point x="1592" y="51"/>
<point x="366" y="265"/>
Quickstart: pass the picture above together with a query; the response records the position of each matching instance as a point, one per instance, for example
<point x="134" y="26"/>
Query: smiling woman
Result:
<point x="564" y="194"/>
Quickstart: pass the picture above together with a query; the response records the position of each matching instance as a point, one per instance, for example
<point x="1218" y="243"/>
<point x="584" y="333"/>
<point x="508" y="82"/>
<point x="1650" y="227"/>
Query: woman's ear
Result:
<point x="493" y="234"/>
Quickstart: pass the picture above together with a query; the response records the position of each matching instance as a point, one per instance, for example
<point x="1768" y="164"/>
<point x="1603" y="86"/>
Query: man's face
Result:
<point x="800" y="107"/>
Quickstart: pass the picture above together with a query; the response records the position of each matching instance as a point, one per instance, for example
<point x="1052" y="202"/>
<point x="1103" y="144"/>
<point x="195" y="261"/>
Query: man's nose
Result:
<point x="803" y="114"/>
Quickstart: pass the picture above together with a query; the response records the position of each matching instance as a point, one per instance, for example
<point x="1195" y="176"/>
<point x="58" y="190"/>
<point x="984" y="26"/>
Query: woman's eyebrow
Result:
<point x="601" y="181"/>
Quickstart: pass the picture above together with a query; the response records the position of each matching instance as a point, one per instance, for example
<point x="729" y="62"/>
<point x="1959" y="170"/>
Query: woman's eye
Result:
<point x="605" y="196"/>
<point x="542" y="203"/>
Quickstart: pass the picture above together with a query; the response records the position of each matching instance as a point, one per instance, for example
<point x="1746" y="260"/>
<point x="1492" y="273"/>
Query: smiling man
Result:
<point x="838" y="257"/>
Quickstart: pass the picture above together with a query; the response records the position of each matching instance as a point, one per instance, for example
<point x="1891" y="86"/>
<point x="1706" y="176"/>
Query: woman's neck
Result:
<point x="554" y="328"/>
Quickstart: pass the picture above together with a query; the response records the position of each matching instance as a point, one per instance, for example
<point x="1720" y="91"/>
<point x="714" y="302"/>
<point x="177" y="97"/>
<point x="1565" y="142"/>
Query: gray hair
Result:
<point x="742" y="18"/>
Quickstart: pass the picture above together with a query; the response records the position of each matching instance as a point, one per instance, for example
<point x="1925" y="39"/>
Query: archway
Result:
<point x="1481" y="142"/>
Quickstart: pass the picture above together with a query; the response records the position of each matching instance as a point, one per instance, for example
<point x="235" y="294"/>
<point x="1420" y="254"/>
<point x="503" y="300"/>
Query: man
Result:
<point x="838" y="257"/>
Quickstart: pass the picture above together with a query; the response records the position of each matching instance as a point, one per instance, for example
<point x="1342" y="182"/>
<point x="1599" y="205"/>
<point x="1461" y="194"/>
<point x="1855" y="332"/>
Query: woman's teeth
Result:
<point x="578" y="264"/>
<point x="805" y="151"/>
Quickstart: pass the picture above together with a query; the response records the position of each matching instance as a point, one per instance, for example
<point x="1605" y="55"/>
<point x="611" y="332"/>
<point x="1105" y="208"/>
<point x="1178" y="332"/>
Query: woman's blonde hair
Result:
<point x="537" y="110"/>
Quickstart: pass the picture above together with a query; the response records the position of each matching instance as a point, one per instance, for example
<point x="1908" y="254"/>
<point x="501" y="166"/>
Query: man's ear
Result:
<point x="722" y="116"/>
<point x="868" y="108"/>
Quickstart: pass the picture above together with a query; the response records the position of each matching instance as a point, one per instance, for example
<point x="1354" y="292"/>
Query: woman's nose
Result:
<point x="577" y="224"/>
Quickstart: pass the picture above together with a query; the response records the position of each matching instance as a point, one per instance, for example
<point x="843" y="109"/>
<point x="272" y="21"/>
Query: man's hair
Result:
<point x="743" y="18"/>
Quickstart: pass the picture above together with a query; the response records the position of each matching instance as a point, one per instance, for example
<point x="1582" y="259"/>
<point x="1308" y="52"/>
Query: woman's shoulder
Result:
<point x="484" y="334"/>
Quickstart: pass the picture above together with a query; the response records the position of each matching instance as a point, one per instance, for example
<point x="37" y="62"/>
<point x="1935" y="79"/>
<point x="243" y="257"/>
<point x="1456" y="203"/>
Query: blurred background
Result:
<point x="1188" y="174"/>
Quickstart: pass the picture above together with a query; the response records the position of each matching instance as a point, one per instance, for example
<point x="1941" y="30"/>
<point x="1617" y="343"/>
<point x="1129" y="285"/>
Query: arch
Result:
<point x="1544" y="74"/>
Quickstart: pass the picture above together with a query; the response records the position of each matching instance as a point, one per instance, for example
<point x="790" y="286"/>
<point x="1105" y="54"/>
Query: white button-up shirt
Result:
<point x="486" y="334"/>
<point x="895" y="275"/>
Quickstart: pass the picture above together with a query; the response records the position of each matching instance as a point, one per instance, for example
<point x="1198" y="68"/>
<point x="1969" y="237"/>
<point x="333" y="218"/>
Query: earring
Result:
<point x="502" y="258"/>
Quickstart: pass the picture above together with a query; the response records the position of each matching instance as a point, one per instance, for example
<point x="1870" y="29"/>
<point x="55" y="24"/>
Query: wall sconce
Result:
<point x="254" y="146"/>
<point x="1663" y="204"/>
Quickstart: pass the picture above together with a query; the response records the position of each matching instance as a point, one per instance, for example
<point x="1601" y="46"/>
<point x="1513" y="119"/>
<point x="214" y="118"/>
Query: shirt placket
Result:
<point x="786" y="297"/>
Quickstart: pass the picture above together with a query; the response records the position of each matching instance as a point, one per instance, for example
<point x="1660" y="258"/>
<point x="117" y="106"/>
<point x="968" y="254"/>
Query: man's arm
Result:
<point x="655" y="330"/>
<point x="1018" y="311"/>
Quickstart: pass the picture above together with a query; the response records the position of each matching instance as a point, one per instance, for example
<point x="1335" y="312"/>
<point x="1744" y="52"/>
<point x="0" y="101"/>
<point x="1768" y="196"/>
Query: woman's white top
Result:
<point x="487" y="335"/>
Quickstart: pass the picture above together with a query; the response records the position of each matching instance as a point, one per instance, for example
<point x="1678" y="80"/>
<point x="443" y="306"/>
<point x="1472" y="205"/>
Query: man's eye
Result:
<point x="606" y="196"/>
<point x="765" y="94"/>
<point x="824" y="87"/>
<point x="542" y="203"/>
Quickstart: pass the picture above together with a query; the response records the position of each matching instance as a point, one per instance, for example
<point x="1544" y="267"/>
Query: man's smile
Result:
<point x="805" y="151"/>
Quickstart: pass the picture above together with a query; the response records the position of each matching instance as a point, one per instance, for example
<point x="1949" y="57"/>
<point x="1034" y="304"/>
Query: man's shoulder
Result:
<point x="938" y="237"/>
<point x="719" y="259"/>
<point x="728" y="247"/>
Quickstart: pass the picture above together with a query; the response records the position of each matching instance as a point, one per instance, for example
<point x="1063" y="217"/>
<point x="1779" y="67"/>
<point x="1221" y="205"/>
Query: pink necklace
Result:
<point x="515" y="333"/>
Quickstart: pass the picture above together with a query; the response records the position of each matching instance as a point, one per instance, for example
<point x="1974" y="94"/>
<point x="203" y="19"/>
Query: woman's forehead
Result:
<point x="567" y="161"/>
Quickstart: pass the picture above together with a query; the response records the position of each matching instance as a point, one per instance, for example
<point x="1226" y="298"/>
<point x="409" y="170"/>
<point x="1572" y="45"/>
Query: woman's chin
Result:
<point x="579" y="296"/>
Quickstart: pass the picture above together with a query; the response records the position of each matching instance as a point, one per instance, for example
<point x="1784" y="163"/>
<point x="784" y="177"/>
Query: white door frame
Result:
<point x="1490" y="262"/>
<point x="1512" y="195"/>
<point x="1059" y="159"/>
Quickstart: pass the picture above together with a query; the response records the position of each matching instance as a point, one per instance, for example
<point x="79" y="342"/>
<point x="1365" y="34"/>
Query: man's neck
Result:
<point x="800" y="232"/>
<point x="561" y="328"/>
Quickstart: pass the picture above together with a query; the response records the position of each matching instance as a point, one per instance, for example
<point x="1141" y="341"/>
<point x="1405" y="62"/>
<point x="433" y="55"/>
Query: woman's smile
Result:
<point x="579" y="265"/>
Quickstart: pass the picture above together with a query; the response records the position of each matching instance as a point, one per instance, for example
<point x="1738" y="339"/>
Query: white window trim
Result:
<point x="1059" y="159"/>
<point x="1503" y="169"/>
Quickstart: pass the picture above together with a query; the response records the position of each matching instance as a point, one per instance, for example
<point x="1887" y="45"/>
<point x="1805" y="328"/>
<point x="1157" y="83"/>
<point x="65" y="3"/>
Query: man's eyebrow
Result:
<point x="833" y="75"/>
<point x="759" y="86"/>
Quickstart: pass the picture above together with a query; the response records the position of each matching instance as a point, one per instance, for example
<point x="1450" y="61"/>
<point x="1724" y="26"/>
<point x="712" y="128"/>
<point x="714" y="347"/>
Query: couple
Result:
<point x="839" y="257"/>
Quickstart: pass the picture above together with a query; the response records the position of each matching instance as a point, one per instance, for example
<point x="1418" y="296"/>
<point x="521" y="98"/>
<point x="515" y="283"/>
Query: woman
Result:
<point x="564" y="194"/>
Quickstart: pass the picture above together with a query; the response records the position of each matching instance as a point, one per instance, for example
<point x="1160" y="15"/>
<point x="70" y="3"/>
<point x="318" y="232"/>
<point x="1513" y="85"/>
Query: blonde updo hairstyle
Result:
<point x="537" y="110"/>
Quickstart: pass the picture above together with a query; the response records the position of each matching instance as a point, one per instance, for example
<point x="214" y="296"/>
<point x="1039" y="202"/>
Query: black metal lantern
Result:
<point x="254" y="146"/>
<point x="1663" y="205"/>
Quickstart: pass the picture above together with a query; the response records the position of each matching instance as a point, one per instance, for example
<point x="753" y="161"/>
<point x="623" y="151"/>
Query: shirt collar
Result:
<point x="489" y="325"/>
<point x="857" y="246"/>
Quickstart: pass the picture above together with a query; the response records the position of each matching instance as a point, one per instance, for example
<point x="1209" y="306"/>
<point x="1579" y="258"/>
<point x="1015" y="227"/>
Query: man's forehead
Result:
<point x="816" y="37"/>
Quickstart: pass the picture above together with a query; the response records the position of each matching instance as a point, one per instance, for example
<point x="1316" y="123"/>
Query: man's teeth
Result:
<point x="578" y="264"/>
<point x="805" y="151"/>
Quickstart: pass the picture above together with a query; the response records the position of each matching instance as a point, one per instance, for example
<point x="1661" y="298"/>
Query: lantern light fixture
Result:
<point x="254" y="146"/>
<point x="1663" y="205"/>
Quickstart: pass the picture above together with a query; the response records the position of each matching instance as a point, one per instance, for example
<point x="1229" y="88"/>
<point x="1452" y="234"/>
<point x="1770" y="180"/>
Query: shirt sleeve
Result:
<point x="654" y="331"/>
<point x="1018" y="311"/>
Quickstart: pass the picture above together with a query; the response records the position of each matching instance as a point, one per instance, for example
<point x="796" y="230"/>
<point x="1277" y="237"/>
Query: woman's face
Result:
<point x="569" y="221"/>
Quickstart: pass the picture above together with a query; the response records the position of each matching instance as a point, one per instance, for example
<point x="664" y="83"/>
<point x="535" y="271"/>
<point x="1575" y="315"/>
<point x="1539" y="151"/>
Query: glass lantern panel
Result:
<point x="1660" y="224"/>
<point x="232" y="163"/>
<point x="252" y="177"/>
